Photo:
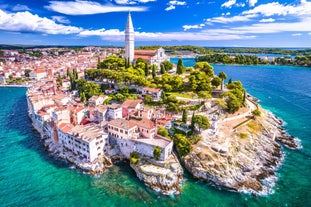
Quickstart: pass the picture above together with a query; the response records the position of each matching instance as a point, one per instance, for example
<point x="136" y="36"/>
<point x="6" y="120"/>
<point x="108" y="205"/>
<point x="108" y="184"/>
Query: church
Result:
<point x="153" y="57"/>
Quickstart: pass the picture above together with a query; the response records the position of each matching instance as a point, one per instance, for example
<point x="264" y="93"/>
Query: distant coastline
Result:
<point x="15" y="86"/>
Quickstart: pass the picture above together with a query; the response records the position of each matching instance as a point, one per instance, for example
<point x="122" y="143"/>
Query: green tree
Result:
<point x="216" y="81"/>
<point x="184" y="116"/>
<point x="157" y="152"/>
<point x="201" y="122"/>
<point x="154" y="71"/>
<point x="205" y="94"/>
<point x="206" y="68"/>
<point x="147" y="72"/>
<point x="223" y="76"/>
<point x="147" y="99"/>
<point x="68" y="73"/>
<point x="59" y="81"/>
<point x="163" y="131"/>
<point x="112" y="62"/>
<point x="82" y="97"/>
<point x="134" y="158"/>
<point x="177" y="83"/>
<point x="180" y="67"/>
<point x="167" y="65"/>
<point x="192" y="126"/>
<point x="182" y="144"/>
<point x="233" y="103"/>
<point x="256" y="112"/>
<point x="230" y="81"/>
<point x="162" y="69"/>
<point x="27" y="71"/>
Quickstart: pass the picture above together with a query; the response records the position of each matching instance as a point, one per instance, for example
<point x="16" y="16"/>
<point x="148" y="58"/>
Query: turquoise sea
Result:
<point x="30" y="177"/>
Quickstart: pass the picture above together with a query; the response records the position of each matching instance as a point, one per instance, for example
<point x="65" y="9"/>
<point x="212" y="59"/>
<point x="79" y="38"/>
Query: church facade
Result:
<point x="153" y="57"/>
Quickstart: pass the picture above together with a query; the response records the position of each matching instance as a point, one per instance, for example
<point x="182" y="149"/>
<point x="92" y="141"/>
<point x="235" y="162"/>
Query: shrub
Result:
<point x="134" y="158"/>
<point x="157" y="152"/>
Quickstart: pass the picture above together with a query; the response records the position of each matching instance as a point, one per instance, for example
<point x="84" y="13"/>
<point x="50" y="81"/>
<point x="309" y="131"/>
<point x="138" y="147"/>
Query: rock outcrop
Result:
<point x="245" y="160"/>
<point x="162" y="176"/>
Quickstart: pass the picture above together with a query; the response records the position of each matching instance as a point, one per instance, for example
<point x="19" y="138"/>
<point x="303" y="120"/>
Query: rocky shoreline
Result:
<point x="162" y="176"/>
<point x="245" y="165"/>
<point x="248" y="164"/>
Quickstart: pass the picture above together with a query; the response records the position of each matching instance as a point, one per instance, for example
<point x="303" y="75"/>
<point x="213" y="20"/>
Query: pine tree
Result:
<point x="162" y="70"/>
<point x="147" y="70"/>
<point x="230" y="81"/>
<point x="192" y="123"/>
<point x="223" y="76"/>
<point x="153" y="71"/>
<point x="244" y="96"/>
<point x="184" y="116"/>
<point x="68" y="73"/>
<point x="180" y="67"/>
<point x="82" y="97"/>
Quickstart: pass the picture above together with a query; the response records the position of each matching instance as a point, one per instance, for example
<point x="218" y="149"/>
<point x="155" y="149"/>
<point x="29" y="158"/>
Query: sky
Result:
<point x="210" y="23"/>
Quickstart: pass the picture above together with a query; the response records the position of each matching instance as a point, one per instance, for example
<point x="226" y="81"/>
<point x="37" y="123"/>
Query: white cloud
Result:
<point x="102" y="32"/>
<point x="133" y="1"/>
<point x="179" y="3"/>
<point x="275" y="8"/>
<point x="252" y="3"/>
<point x="196" y="26"/>
<point x="172" y="5"/>
<point x="125" y="2"/>
<point x="296" y="34"/>
<point x="309" y="33"/>
<point x="20" y="7"/>
<point x="240" y="5"/>
<point x="267" y="20"/>
<point x="60" y="19"/>
<point x="80" y="7"/>
<point x="225" y="20"/>
<point x="228" y="4"/>
<point x="269" y="28"/>
<point x="225" y="14"/>
<point x="27" y="22"/>
<point x="117" y="35"/>
<point x="145" y="1"/>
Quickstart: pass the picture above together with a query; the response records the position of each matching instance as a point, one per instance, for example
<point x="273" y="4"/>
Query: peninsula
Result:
<point x="95" y="106"/>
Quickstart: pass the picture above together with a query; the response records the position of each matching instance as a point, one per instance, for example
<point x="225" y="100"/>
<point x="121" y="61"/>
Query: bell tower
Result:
<point x="129" y="39"/>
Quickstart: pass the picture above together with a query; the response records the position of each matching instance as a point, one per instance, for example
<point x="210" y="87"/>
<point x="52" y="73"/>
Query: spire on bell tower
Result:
<point x="129" y="39"/>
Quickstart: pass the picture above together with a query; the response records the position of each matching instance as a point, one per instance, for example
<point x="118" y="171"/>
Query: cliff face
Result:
<point x="242" y="160"/>
<point x="164" y="177"/>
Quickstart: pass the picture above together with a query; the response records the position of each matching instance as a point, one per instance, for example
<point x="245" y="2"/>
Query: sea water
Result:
<point x="29" y="176"/>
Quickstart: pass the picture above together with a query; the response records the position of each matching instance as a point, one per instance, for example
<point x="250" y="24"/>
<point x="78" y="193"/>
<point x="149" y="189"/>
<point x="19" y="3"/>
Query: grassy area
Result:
<point x="242" y="135"/>
<point x="183" y="95"/>
<point x="254" y="126"/>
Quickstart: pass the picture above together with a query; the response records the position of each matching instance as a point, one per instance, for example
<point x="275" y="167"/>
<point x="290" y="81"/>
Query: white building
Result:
<point x="114" y="111"/>
<point x="153" y="57"/>
<point x="134" y="136"/>
<point x="38" y="74"/>
<point x="155" y="93"/>
<point x="85" y="141"/>
<point x="97" y="100"/>
<point x="100" y="114"/>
